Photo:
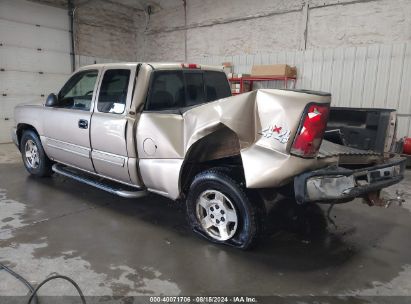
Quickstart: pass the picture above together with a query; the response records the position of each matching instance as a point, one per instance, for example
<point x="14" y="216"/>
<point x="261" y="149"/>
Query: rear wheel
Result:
<point x="219" y="209"/>
<point x="34" y="158"/>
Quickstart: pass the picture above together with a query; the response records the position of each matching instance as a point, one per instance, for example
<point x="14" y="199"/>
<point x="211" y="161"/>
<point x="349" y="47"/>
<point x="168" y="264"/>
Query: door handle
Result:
<point x="83" y="124"/>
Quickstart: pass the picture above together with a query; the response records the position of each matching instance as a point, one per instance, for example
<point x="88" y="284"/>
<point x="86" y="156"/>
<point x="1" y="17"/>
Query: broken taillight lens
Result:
<point x="311" y="130"/>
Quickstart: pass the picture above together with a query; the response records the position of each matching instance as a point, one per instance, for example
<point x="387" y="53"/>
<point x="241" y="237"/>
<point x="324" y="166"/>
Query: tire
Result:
<point x="34" y="158"/>
<point x="219" y="209"/>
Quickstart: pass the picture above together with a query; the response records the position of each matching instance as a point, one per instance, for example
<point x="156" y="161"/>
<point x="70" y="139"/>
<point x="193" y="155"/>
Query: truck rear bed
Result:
<point x="362" y="128"/>
<point x="328" y="149"/>
<point x="348" y="155"/>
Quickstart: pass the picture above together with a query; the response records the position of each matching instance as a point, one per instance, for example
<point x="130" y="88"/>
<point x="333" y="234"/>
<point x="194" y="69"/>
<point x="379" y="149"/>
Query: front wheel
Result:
<point x="34" y="158"/>
<point x="219" y="209"/>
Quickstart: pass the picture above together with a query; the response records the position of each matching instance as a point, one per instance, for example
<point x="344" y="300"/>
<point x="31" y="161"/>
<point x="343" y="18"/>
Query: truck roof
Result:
<point x="158" y="65"/>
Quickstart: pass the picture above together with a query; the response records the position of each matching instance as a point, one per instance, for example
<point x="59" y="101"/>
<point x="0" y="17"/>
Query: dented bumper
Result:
<point x="338" y="185"/>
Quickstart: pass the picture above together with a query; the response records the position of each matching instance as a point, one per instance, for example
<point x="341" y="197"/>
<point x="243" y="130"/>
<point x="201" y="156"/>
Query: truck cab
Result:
<point x="89" y="124"/>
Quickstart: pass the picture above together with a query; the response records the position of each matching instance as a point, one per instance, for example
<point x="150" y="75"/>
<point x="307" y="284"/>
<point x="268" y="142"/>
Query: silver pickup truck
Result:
<point x="175" y="130"/>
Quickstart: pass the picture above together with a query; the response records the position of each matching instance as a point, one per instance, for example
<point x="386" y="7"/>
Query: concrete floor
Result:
<point x="114" y="246"/>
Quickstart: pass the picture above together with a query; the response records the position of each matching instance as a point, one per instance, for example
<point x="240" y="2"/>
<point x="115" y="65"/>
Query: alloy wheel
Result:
<point x="217" y="215"/>
<point x="32" y="154"/>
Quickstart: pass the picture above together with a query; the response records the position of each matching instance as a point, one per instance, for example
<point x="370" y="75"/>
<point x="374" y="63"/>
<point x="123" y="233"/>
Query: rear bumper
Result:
<point x="338" y="185"/>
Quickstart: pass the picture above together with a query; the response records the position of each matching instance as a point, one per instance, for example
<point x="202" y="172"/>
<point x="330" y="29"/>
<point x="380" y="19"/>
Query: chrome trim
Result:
<point x="88" y="150"/>
<point x="123" y="193"/>
<point x="69" y="151"/>
<point x="107" y="161"/>
<point x="123" y="159"/>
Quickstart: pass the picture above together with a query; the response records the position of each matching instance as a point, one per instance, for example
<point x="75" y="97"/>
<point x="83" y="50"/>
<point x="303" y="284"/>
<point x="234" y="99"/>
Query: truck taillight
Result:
<point x="311" y="130"/>
<point x="190" y="66"/>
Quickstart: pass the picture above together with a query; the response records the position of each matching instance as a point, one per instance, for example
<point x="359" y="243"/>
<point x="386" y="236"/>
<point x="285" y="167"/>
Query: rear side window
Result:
<point x="113" y="91"/>
<point x="216" y="85"/>
<point x="178" y="89"/>
<point x="195" y="89"/>
<point x="167" y="91"/>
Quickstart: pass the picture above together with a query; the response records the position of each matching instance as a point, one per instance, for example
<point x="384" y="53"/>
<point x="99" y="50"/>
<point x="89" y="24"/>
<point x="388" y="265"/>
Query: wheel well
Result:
<point x="190" y="170"/>
<point x="219" y="149"/>
<point x="24" y="127"/>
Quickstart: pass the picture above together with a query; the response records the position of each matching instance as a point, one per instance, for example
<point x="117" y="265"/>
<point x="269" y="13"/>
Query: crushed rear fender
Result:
<point x="265" y="123"/>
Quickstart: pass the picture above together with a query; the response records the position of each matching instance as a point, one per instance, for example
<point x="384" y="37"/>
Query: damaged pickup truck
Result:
<point x="175" y="130"/>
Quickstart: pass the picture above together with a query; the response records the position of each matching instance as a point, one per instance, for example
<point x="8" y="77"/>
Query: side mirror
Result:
<point x="52" y="100"/>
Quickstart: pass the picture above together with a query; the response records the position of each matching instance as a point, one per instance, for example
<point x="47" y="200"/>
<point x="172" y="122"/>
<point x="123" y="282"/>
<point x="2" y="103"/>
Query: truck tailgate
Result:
<point x="348" y="155"/>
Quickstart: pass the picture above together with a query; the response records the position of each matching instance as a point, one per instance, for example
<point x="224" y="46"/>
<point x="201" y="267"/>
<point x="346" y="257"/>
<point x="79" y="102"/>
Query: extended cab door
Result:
<point x="66" y="127"/>
<point x="160" y="131"/>
<point x="109" y="123"/>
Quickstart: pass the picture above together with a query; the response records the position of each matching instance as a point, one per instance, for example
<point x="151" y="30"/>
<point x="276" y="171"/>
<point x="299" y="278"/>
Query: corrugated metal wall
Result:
<point x="369" y="76"/>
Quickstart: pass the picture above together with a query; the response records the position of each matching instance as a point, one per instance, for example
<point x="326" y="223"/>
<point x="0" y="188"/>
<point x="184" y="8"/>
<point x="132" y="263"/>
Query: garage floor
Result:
<point x="114" y="246"/>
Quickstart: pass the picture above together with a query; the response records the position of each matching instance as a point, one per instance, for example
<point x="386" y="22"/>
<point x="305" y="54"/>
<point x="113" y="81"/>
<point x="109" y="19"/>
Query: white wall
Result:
<point x="363" y="22"/>
<point x="104" y="29"/>
<point x="236" y="27"/>
<point x="356" y="49"/>
<point x="364" y="76"/>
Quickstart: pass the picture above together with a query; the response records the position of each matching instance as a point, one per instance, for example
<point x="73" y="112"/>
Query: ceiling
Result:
<point x="132" y="4"/>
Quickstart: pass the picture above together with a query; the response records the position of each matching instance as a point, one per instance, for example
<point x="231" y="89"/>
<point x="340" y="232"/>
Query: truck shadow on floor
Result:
<point x="152" y="231"/>
<point x="294" y="237"/>
<point x="297" y="234"/>
<point x="301" y="238"/>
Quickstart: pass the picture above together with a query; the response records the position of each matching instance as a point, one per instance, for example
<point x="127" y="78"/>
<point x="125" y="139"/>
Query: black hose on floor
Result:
<point x="83" y="299"/>
<point x="21" y="279"/>
<point x="33" y="291"/>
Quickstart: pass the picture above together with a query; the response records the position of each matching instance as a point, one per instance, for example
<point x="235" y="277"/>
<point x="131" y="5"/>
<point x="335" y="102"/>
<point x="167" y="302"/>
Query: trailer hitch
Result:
<point x="374" y="199"/>
<point x="398" y="199"/>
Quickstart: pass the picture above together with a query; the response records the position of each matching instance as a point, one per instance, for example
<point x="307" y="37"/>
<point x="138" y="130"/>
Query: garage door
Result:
<point x="34" y="55"/>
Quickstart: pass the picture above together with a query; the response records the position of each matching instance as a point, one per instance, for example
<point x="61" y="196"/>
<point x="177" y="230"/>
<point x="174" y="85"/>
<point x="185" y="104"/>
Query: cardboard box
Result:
<point x="233" y="75"/>
<point x="235" y="88"/>
<point x="274" y="70"/>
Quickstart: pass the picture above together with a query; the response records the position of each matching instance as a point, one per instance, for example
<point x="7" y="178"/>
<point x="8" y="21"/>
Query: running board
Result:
<point x="62" y="170"/>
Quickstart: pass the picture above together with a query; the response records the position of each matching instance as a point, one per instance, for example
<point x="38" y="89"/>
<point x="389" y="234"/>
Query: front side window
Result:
<point x="113" y="91"/>
<point x="77" y="93"/>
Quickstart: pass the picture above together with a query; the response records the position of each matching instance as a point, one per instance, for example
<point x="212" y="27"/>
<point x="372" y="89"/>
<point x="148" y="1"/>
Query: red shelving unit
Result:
<point x="252" y="79"/>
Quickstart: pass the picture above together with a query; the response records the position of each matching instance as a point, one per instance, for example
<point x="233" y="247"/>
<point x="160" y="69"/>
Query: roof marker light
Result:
<point x="190" y="66"/>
